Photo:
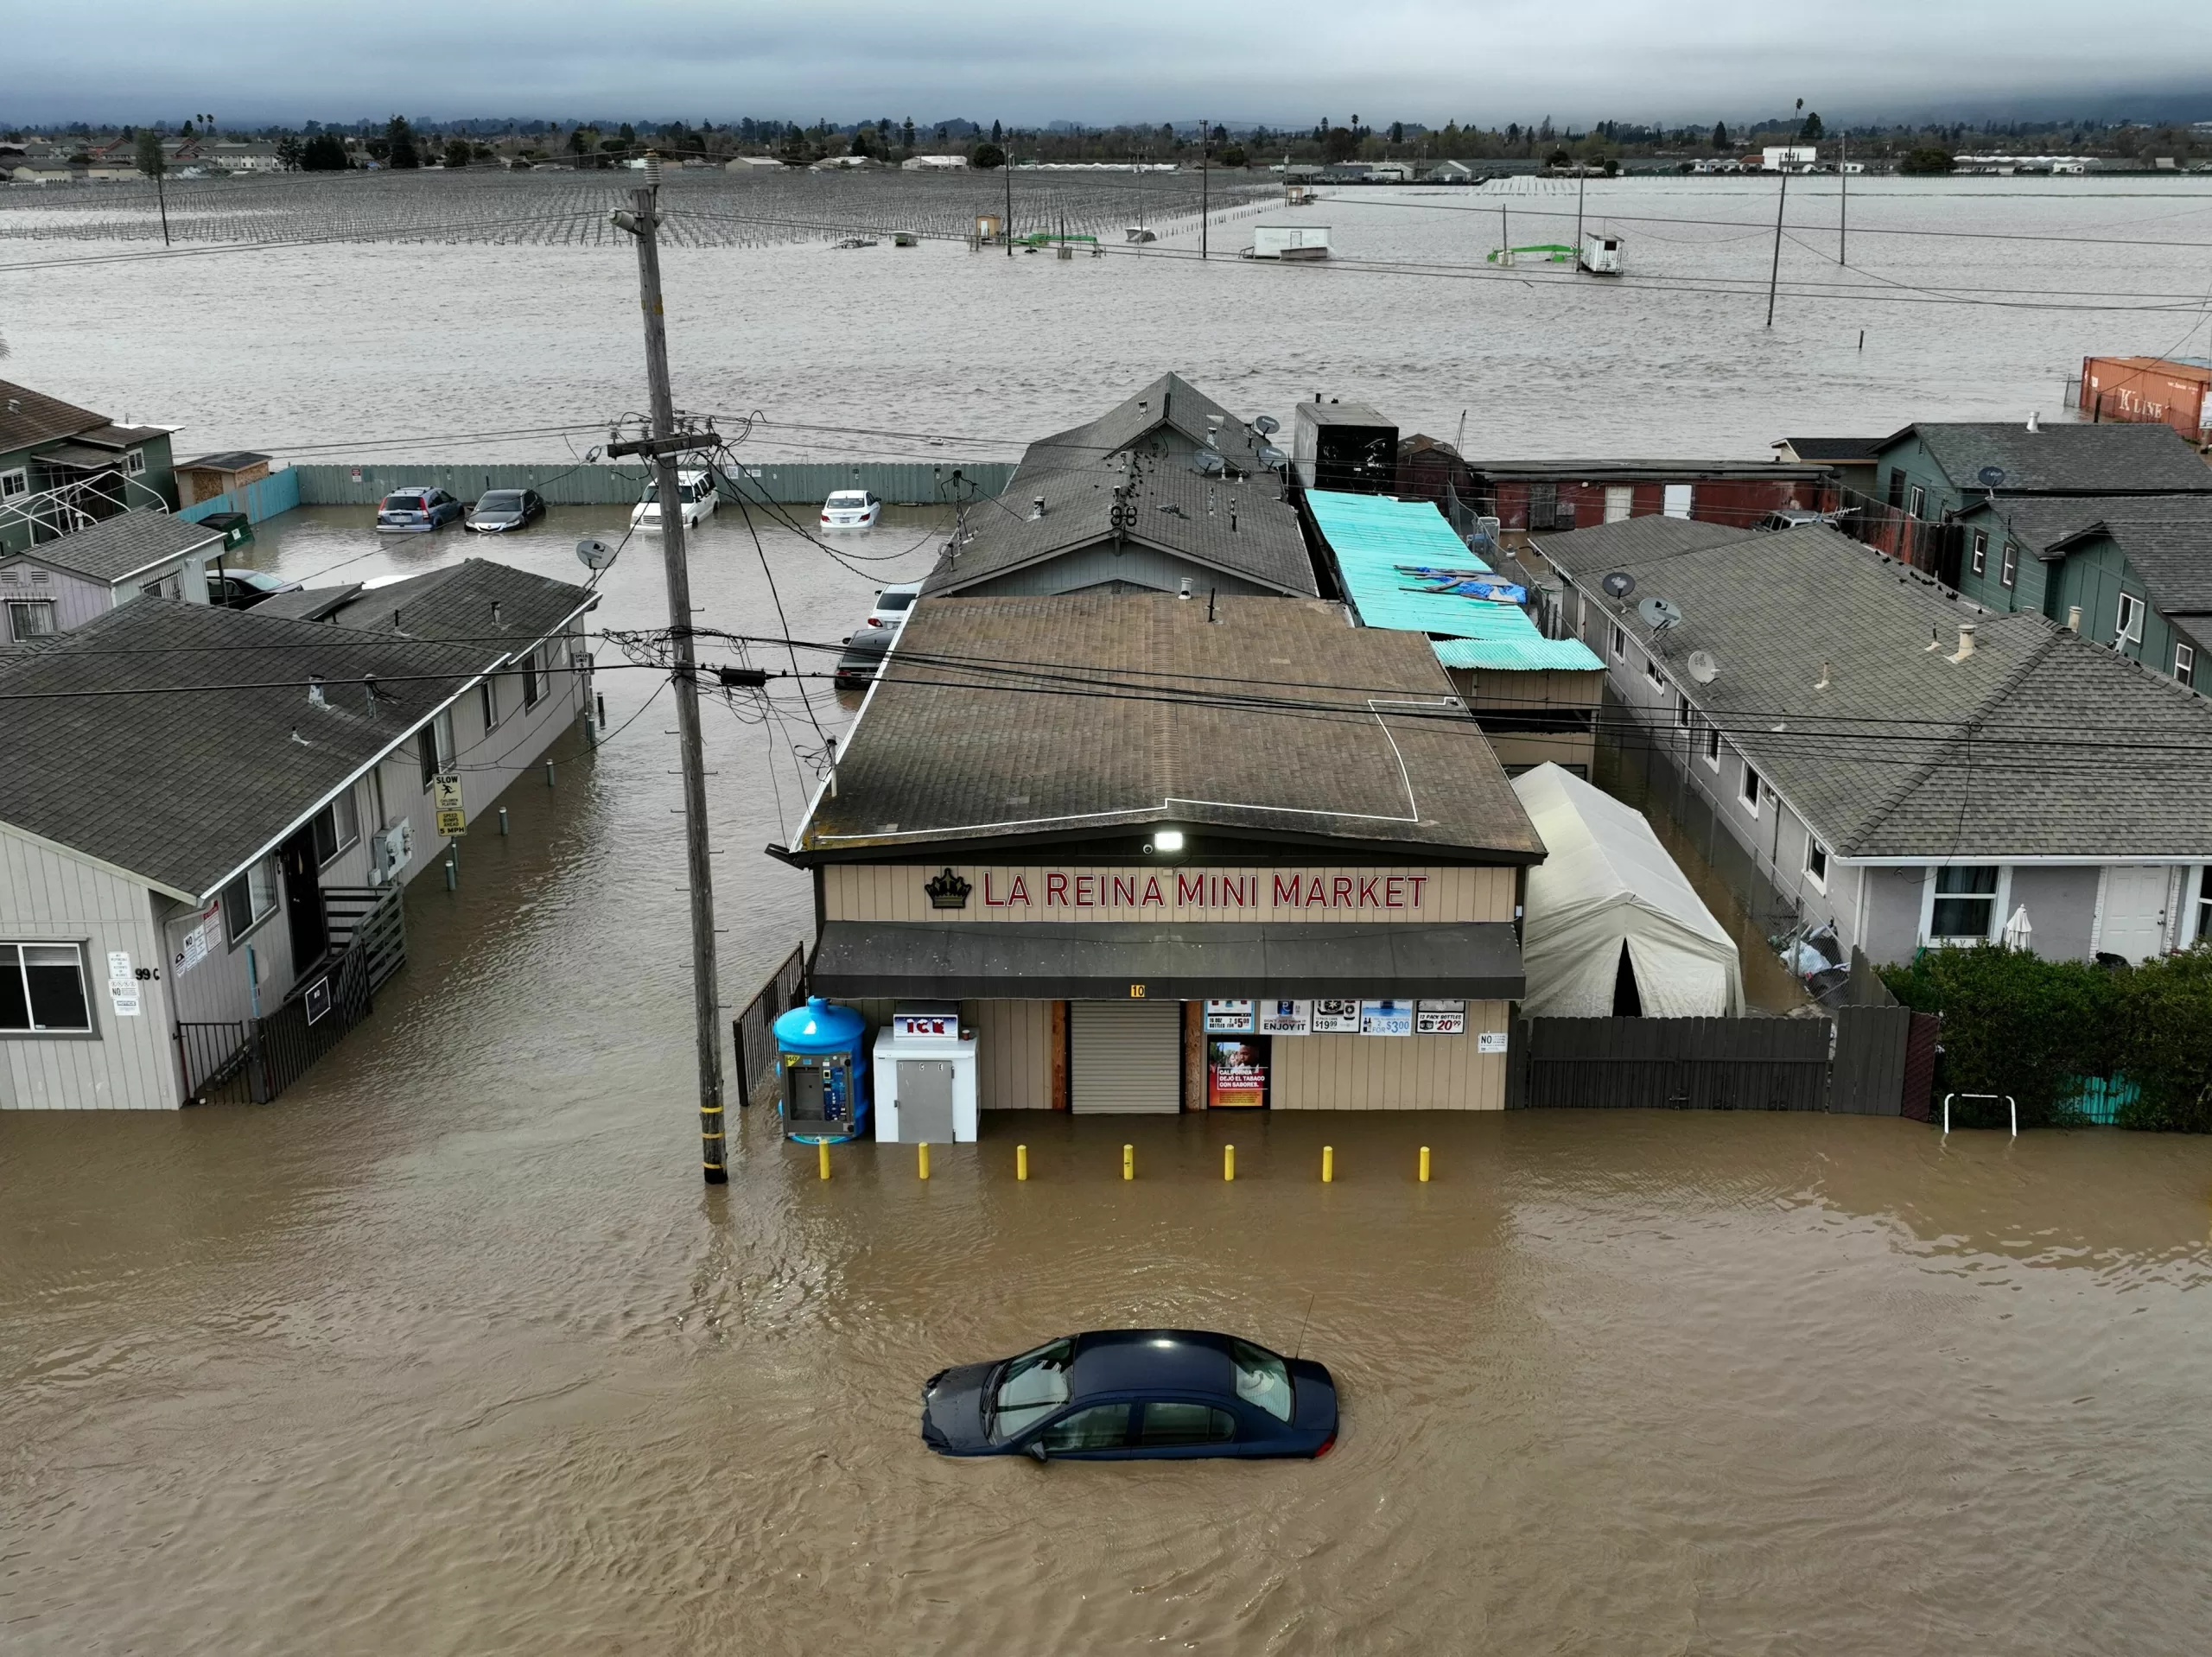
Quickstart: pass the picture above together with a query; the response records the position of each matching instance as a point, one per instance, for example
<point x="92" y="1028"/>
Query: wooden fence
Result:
<point x="1668" y="1064"/>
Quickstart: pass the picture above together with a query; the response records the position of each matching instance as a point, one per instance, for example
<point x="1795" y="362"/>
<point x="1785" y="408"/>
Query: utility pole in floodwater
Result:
<point x="1776" y="271"/>
<point x="1205" y="156"/>
<point x="662" y="446"/>
<point x="1843" y="221"/>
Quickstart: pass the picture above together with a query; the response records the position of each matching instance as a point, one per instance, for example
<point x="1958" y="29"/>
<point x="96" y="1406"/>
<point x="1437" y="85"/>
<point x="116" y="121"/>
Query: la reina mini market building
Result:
<point x="1166" y="855"/>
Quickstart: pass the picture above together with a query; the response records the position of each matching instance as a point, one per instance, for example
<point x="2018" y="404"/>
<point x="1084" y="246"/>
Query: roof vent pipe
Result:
<point x="2035" y="421"/>
<point x="1037" y="506"/>
<point x="1965" y="641"/>
<point x="1821" y="683"/>
<point x="1184" y="592"/>
<point x="495" y="612"/>
<point x="315" y="691"/>
<point x="2072" y="618"/>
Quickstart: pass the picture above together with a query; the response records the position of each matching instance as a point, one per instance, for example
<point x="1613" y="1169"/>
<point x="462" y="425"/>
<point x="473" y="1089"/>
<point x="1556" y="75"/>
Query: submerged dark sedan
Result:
<point x="1118" y="1395"/>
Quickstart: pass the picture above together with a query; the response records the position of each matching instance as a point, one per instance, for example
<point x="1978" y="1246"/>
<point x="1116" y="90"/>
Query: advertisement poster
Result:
<point x="1439" y="1017"/>
<point x="1336" y="1018"/>
<point x="1386" y="1017"/>
<point x="1229" y="1017"/>
<point x="1237" y="1075"/>
<point x="1286" y="1017"/>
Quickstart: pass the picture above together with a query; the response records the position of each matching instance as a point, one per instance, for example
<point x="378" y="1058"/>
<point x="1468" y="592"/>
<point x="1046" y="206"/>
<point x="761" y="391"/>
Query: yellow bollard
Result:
<point x="1328" y="1164"/>
<point x="1128" y="1162"/>
<point x="1021" y="1162"/>
<point x="1424" y="1165"/>
<point x="1228" y="1162"/>
<point x="924" y="1147"/>
<point x="823" y="1147"/>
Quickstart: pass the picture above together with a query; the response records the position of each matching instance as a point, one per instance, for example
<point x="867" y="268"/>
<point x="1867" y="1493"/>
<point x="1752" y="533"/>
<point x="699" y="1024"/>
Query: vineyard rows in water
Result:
<point x="755" y="208"/>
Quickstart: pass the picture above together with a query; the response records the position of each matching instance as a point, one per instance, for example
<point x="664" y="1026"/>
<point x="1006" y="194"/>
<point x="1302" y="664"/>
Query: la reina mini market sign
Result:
<point x="1186" y="894"/>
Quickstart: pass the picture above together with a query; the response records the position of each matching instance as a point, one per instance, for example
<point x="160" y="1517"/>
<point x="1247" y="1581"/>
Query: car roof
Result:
<point x="1150" y="1359"/>
<point x="901" y="587"/>
<point x="871" y="638"/>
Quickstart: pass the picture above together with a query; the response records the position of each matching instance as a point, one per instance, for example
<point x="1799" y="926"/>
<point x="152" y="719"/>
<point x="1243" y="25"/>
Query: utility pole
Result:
<point x="1006" y="165"/>
<point x="1582" y="186"/>
<point x="665" y="444"/>
<point x="1775" y="272"/>
<point x="1206" y="157"/>
<point x="1843" y="224"/>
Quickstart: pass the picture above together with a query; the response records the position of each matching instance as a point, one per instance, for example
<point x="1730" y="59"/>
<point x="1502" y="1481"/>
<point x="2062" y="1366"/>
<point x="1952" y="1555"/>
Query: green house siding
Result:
<point x="160" y="477"/>
<point x="1910" y="458"/>
<point x="2030" y="576"/>
<point x="2094" y="575"/>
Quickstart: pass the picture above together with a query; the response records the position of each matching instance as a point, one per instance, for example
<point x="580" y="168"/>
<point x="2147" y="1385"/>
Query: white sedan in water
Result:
<point x="851" y="508"/>
<point x="697" y="493"/>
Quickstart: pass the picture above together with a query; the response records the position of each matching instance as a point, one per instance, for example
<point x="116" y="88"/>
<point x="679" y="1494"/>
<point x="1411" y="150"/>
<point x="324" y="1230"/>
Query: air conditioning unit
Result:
<point x="394" y="850"/>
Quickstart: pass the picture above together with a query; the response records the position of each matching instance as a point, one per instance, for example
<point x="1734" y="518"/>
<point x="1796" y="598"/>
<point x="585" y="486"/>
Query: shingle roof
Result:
<point x="2168" y="538"/>
<point x="1834" y="450"/>
<point x="2023" y="749"/>
<point x="2105" y="460"/>
<point x="999" y="717"/>
<point x="1173" y="509"/>
<point x="308" y="603"/>
<point x="476" y="601"/>
<point x="177" y="740"/>
<point x="1170" y="400"/>
<point x="124" y="545"/>
<point x="28" y="417"/>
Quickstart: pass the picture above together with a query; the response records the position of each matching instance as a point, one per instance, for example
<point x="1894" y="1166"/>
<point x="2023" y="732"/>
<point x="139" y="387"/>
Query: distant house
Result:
<point x="212" y="475"/>
<point x="2130" y="572"/>
<point x="934" y="164"/>
<point x="64" y="583"/>
<point x="47" y="172"/>
<point x="1853" y="459"/>
<point x="1527" y="496"/>
<point x="745" y="164"/>
<point x="63" y="468"/>
<point x="1166" y="493"/>
<point x="847" y="164"/>
<point x="243" y="157"/>
<point x="206" y="816"/>
<point x="1931" y="469"/>
<point x="1449" y="172"/>
<point x="1851" y="744"/>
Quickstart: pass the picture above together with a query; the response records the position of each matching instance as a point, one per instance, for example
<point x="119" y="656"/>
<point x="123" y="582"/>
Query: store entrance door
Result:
<point x="1125" y="1057"/>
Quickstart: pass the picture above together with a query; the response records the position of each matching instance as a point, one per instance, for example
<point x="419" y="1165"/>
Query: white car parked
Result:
<point x="893" y="605"/>
<point x="696" y="490"/>
<point x="851" y="508"/>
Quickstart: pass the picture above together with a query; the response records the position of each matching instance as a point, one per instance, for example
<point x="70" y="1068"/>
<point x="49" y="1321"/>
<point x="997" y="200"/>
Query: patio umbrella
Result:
<point x="2019" y="934"/>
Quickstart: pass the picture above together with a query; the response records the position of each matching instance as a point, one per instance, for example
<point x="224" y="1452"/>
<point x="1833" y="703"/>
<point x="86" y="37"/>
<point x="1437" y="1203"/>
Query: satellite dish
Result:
<point x="1266" y="425"/>
<point x="1619" y="584"/>
<point x="1702" y="667"/>
<point x="1991" y="477"/>
<point x="1271" y="457"/>
<point x="1659" y="614"/>
<point x="593" y="554"/>
<point x="1208" y="465"/>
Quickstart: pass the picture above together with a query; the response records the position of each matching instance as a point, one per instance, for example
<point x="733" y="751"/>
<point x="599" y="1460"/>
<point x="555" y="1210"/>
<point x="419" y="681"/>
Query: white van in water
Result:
<point x="851" y="508"/>
<point x="697" y="491"/>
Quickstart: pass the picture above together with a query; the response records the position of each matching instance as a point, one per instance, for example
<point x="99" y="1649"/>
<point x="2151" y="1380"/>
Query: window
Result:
<point x="1915" y="498"/>
<point x="134" y="462"/>
<point x="1103" y="1426"/>
<point x="1035" y="1384"/>
<point x="1966" y="901"/>
<point x="2204" y="905"/>
<point x="1261" y="1378"/>
<point x="15" y="483"/>
<point x="1651" y="672"/>
<point x="42" y="990"/>
<point x="1981" y="552"/>
<point x="533" y="684"/>
<point x="2127" y="629"/>
<point x="1543" y="505"/>
<point x="1171" y="1425"/>
<point x="1816" y="862"/>
<point x="29" y="618"/>
<point x="249" y="899"/>
<point x="1896" y="487"/>
<point x="488" y="694"/>
<point x="1713" y="745"/>
<point x="1685" y="715"/>
<point x="1674" y="499"/>
<point x="337" y="826"/>
<point x="2012" y="564"/>
<point x="1747" y="788"/>
<point x="1620" y="644"/>
<point x="2185" y="664"/>
<point x="435" y="744"/>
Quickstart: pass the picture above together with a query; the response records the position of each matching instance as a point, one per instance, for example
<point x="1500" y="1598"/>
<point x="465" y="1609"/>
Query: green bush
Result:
<point x="2165" y="1018"/>
<point x="1927" y="159"/>
<point x="2015" y="1024"/>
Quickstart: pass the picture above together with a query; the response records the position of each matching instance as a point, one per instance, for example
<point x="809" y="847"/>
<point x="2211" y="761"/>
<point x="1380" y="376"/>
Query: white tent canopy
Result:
<point x="1606" y="883"/>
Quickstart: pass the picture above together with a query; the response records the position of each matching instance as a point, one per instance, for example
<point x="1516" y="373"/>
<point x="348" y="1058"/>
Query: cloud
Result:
<point x="1489" y="62"/>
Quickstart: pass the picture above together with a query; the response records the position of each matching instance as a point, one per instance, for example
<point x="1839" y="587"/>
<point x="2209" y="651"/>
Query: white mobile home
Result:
<point x="1290" y="242"/>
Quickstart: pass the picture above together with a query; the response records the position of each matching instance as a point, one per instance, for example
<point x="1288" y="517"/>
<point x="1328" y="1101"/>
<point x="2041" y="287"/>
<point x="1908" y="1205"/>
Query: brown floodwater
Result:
<point x="448" y="1351"/>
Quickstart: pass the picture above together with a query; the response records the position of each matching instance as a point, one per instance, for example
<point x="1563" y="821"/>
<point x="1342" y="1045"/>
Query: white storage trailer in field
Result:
<point x="1601" y="253"/>
<point x="1289" y="241"/>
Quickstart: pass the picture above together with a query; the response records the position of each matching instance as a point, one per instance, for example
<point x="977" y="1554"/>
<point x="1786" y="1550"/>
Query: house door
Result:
<point x="1620" y="502"/>
<point x="2133" y="925"/>
<point x="303" y="902"/>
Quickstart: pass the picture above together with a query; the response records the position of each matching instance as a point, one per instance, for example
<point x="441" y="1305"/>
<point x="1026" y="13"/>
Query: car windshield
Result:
<point x="1261" y="1378"/>
<point x="893" y="600"/>
<point x="500" y="500"/>
<point x="1030" y="1388"/>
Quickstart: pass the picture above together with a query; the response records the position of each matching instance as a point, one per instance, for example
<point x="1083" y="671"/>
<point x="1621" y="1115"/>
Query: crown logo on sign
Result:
<point x="948" y="890"/>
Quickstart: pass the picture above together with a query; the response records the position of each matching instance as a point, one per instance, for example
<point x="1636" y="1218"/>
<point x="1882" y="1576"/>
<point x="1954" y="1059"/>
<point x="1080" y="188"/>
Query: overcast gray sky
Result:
<point x="1489" y="61"/>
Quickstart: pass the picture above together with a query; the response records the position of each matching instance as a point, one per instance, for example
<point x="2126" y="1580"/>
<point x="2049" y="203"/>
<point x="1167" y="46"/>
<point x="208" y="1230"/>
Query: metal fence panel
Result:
<point x="753" y="1033"/>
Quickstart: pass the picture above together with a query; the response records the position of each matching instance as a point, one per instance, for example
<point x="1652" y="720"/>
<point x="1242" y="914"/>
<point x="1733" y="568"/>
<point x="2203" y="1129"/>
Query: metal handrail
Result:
<point x="2007" y="1098"/>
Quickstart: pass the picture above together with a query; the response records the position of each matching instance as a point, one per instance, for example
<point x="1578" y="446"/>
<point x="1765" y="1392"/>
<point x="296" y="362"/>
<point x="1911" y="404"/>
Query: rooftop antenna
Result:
<point x="1302" y="1323"/>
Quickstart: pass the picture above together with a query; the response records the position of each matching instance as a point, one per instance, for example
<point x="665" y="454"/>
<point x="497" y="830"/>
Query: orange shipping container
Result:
<point x="2150" y="389"/>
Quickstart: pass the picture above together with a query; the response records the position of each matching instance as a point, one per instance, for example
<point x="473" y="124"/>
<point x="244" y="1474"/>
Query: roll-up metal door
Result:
<point x="1125" y="1057"/>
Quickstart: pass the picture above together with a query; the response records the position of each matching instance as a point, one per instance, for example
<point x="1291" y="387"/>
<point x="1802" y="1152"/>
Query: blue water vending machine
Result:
<point x="823" y="1059"/>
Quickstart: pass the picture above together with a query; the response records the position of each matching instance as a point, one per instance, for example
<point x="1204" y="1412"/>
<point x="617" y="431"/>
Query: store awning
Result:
<point x="1087" y="960"/>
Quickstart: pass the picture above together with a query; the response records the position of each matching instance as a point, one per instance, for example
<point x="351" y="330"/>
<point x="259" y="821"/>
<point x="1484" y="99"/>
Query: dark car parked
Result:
<point x="506" y="509"/>
<point x="1120" y="1394"/>
<point x="863" y="658"/>
<point x="415" y="512"/>
<point x="241" y="589"/>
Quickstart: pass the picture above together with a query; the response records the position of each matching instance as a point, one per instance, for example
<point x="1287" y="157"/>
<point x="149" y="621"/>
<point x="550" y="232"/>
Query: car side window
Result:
<point x="1171" y="1424"/>
<point x="1103" y="1426"/>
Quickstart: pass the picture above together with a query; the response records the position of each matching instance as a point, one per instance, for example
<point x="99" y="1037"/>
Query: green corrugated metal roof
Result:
<point x="1375" y="540"/>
